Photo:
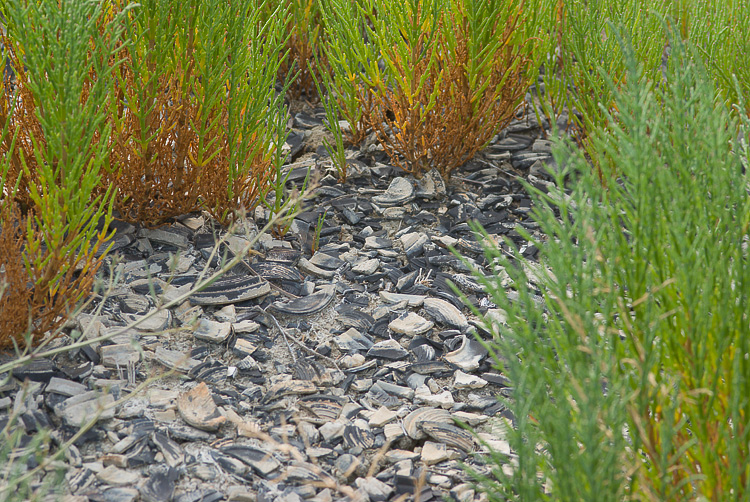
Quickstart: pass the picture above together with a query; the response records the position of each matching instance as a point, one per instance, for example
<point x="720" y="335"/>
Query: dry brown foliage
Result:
<point x="19" y="117"/>
<point x="463" y="119"/>
<point x="161" y="178"/>
<point x="162" y="168"/>
<point x="216" y="179"/>
<point x="16" y="298"/>
<point x="32" y="301"/>
<point x="154" y="178"/>
<point x="38" y="285"/>
<point x="409" y="135"/>
<point x="300" y="62"/>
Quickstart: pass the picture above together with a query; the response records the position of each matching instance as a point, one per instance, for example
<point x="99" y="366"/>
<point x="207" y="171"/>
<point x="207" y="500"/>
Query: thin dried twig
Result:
<point x="289" y="336"/>
<point x="283" y="333"/>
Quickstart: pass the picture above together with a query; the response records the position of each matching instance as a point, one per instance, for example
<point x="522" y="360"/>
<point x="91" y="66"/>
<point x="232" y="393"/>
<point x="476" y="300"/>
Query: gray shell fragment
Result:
<point x="400" y="191"/>
<point x="231" y="289"/>
<point x="448" y="434"/>
<point x="468" y="355"/>
<point x="305" y="305"/>
<point x="445" y="313"/>
<point x="413" y="420"/>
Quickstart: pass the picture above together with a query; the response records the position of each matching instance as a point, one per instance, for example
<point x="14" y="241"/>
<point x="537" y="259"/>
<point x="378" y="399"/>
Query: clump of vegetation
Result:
<point x="53" y="145"/>
<point x="161" y="108"/>
<point x="346" y="52"/>
<point x="586" y="52"/>
<point x="583" y="53"/>
<point x="454" y="74"/>
<point x="437" y="80"/>
<point x="721" y="31"/>
<point x="195" y="95"/>
<point x="631" y="380"/>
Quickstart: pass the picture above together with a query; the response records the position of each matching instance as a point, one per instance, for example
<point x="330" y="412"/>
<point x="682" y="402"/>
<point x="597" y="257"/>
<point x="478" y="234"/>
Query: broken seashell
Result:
<point x="261" y="461"/>
<point x="448" y="434"/>
<point x="277" y="271"/>
<point x="231" y="289"/>
<point x="311" y="370"/>
<point x="283" y="255"/>
<point x="325" y="407"/>
<point x="287" y="388"/>
<point x="174" y="359"/>
<point x="197" y="408"/>
<point x="212" y="331"/>
<point x="305" y="305"/>
<point x="430" y="368"/>
<point x="172" y="451"/>
<point x="468" y="355"/>
<point x="326" y="261"/>
<point x="399" y="192"/>
<point x="410" y="324"/>
<point x="388" y="349"/>
<point x="416" y="417"/>
<point x="359" y="435"/>
<point x="445" y="313"/>
<point x="352" y="317"/>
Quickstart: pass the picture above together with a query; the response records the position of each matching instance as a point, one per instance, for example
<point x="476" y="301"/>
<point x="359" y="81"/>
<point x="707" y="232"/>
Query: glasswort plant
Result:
<point x="195" y="96"/>
<point x="54" y="143"/>
<point x="632" y="382"/>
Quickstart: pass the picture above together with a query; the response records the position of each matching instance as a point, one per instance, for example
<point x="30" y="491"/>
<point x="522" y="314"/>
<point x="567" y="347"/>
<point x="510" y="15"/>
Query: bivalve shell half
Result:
<point x="413" y="420"/>
<point x="445" y="313"/>
<point x="323" y="406"/>
<point x="448" y="434"/>
<point x="400" y="191"/>
<point x="468" y="355"/>
<point x="306" y="305"/>
<point x="231" y="289"/>
<point x="197" y="408"/>
<point x="289" y="388"/>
